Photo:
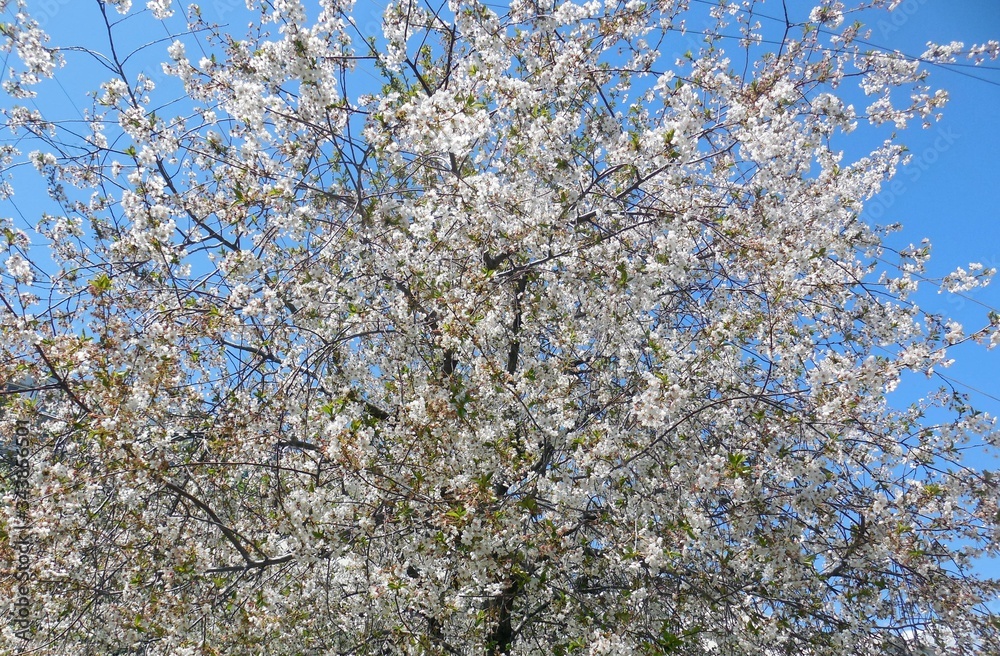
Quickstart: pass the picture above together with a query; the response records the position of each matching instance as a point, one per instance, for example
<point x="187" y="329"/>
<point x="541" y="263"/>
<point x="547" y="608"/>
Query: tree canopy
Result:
<point x="535" y="328"/>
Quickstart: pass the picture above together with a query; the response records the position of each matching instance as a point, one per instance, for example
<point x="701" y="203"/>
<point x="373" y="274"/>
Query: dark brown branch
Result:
<point x="232" y="536"/>
<point x="63" y="385"/>
<point x="501" y="638"/>
<point x="515" y="329"/>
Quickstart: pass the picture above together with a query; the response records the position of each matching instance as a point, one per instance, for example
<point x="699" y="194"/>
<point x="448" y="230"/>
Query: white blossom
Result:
<point x="546" y="328"/>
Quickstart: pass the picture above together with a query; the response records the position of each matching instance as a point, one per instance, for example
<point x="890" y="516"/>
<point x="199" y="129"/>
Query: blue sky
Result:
<point x="949" y="192"/>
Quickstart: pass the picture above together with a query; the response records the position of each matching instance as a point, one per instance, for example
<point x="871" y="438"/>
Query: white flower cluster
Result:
<point x="962" y="280"/>
<point x="20" y="269"/>
<point x="547" y="340"/>
<point x="161" y="8"/>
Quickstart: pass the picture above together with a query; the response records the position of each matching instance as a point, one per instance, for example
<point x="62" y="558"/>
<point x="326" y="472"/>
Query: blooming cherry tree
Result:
<point x="503" y="331"/>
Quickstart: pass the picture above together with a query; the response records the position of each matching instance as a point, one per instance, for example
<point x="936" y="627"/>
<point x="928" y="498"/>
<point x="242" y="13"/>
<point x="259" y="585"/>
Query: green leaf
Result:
<point x="100" y="284"/>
